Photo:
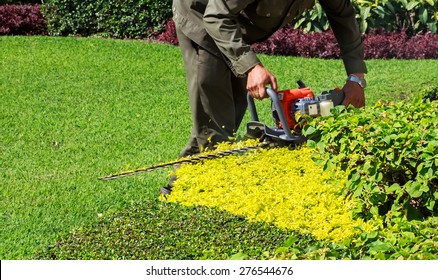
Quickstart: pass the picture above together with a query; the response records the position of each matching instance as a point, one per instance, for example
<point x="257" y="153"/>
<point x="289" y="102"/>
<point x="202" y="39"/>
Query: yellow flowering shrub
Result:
<point x="282" y="186"/>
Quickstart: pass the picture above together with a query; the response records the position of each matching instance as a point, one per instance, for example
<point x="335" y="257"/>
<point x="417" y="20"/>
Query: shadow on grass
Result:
<point x="155" y="230"/>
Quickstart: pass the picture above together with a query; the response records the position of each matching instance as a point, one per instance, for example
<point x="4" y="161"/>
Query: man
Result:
<point x="215" y="38"/>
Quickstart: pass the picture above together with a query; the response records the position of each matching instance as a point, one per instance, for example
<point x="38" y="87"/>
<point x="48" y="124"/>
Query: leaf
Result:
<point x="239" y="256"/>
<point x="319" y="10"/>
<point x="282" y="250"/>
<point x="414" y="249"/>
<point x="387" y="139"/>
<point x="311" y="144"/>
<point x="372" y="236"/>
<point x="423" y="15"/>
<point x="290" y="241"/>
<point x="394" y="188"/>
<point x="430" y="204"/>
<point x="379" y="246"/>
<point x="379" y="177"/>
<point x="328" y="165"/>
<point x="363" y="26"/>
<point x="364" y="13"/>
<point x="416" y="189"/>
<point x="375" y="211"/>
<point x="321" y="146"/>
<point x="309" y="130"/>
<point x="404" y="3"/>
<point x="411" y="5"/>
<point x="390" y="7"/>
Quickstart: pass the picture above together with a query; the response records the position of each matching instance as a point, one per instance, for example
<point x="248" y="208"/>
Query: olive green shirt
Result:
<point x="229" y="27"/>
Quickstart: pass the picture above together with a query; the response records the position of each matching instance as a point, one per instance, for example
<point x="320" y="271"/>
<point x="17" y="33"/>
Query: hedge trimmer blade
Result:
<point x="192" y="159"/>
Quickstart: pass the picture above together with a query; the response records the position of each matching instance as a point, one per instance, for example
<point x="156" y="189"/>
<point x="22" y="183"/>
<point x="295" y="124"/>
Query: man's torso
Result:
<point x="258" y="20"/>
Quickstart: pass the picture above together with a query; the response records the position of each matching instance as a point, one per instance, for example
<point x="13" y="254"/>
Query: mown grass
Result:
<point x="71" y="111"/>
<point x="74" y="109"/>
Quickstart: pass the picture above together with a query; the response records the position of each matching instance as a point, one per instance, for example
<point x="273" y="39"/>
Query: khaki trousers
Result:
<point x="217" y="97"/>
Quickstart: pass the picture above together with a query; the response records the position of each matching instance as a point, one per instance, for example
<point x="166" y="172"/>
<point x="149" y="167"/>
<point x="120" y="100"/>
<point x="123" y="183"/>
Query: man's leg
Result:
<point x="217" y="98"/>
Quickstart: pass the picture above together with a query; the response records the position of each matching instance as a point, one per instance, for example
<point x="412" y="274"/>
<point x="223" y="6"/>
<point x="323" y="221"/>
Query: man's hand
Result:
<point x="258" y="78"/>
<point x="354" y="93"/>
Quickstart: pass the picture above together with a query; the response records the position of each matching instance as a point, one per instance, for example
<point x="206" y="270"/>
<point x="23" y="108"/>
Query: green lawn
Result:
<point x="74" y="109"/>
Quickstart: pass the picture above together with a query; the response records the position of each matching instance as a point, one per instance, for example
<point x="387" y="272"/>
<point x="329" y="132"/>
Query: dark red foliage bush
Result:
<point x="168" y="35"/>
<point x="294" y="42"/>
<point x="384" y="44"/>
<point x="22" y="20"/>
<point x="378" y="44"/>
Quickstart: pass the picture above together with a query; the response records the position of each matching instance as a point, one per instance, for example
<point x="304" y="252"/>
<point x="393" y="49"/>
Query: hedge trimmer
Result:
<point x="286" y="104"/>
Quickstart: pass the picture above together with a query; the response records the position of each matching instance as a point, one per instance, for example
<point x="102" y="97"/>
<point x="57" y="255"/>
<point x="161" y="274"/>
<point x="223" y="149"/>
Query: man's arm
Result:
<point x="342" y="18"/>
<point x="220" y="21"/>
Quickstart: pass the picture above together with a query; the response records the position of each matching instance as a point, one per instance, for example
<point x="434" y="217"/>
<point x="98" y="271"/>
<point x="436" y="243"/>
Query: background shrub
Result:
<point x="393" y="44"/>
<point x="289" y="41"/>
<point x="144" y="18"/>
<point x="393" y="15"/>
<point x="21" y="20"/>
<point x="412" y="15"/>
<point x="6" y="2"/>
<point x="117" y="19"/>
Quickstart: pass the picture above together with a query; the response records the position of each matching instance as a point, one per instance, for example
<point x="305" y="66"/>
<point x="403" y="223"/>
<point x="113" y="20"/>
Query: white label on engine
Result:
<point x="313" y="109"/>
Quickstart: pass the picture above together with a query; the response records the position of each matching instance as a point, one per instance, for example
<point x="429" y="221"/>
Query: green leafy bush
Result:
<point x="390" y="152"/>
<point x="312" y="20"/>
<point x="117" y="19"/>
<point x="413" y="16"/>
<point x="152" y="230"/>
<point x="401" y="240"/>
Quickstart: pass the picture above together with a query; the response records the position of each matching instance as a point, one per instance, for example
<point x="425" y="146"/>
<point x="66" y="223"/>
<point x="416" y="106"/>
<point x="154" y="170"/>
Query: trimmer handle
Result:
<point x="273" y="95"/>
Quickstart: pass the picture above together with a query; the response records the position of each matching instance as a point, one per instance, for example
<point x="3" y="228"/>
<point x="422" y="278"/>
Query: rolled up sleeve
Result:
<point x="342" y="18"/>
<point x="220" y="21"/>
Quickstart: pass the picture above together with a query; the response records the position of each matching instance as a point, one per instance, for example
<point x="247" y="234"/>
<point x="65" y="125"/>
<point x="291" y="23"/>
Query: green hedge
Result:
<point x="142" y="18"/>
<point x="390" y="152"/>
<point x="413" y="16"/>
<point x="117" y="18"/>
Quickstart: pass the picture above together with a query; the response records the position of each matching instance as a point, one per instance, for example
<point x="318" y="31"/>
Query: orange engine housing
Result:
<point x="287" y="98"/>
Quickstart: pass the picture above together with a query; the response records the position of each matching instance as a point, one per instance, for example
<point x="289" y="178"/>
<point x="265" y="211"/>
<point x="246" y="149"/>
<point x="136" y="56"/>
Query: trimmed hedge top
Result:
<point x="117" y="19"/>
